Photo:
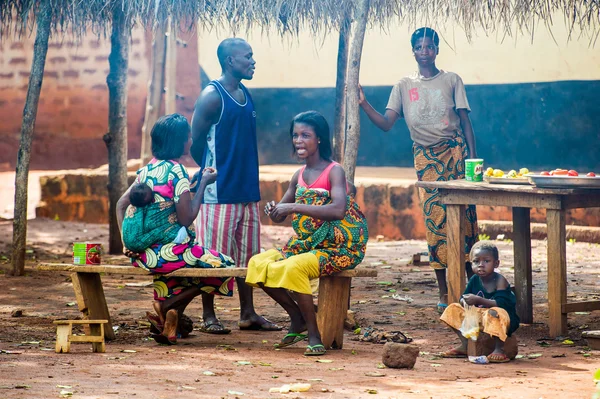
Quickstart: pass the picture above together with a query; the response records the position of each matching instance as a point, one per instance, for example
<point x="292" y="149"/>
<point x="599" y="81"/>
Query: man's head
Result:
<point x="141" y="195"/>
<point x="235" y="56"/>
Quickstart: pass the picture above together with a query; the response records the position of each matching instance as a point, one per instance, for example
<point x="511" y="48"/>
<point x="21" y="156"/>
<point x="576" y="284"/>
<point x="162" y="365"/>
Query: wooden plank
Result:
<point x="522" y="259"/>
<point x="557" y="272"/>
<point x="62" y="338"/>
<point x="61" y="322"/>
<point x="586" y="306"/>
<point x="109" y="269"/>
<point x="591" y="200"/>
<point x="91" y="301"/>
<point x="184" y="272"/>
<point x="86" y="338"/>
<point x="462" y="184"/>
<point x="334" y="293"/>
<point x="455" y="230"/>
<point x="497" y="198"/>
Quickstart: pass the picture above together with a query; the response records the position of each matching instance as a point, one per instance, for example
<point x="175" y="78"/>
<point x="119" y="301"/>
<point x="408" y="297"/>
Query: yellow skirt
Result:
<point x="495" y="327"/>
<point x="270" y="269"/>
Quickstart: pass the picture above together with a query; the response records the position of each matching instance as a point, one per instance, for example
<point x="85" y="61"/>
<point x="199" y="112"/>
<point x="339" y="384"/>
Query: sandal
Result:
<point x="297" y="337"/>
<point x="266" y="326"/>
<point x="315" y="350"/>
<point x="498" y="358"/>
<point x="156" y="325"/>
<point x="170" y="328"/>
<point x="214" y="327"/>
<point x="453" y="354"/>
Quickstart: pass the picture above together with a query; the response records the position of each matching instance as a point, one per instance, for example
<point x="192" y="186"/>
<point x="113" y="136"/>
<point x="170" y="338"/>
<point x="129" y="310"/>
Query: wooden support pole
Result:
<point x="353" y="118"/>
<point x="171" y="70"/>
<point x="557" y="271"/>
<point x="339" y="125"/>
<point x="455" y="230"/>
<point x="116" y="138"/>
<point x="522" y="258"/>
<point x="156" y="86"/>
<point x="36" y="77"/>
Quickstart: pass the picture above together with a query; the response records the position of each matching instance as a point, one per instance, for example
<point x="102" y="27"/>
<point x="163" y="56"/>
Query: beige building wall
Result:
<point x="387" y="56"/>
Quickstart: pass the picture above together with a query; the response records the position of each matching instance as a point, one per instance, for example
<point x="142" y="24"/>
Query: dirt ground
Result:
<point x="245" y="365"/>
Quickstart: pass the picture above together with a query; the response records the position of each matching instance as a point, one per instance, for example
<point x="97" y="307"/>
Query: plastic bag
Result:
<point x="470" y="325"/>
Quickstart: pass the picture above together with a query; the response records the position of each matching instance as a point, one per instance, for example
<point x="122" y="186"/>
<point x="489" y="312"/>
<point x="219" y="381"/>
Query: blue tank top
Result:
<point x="232" y="150"/>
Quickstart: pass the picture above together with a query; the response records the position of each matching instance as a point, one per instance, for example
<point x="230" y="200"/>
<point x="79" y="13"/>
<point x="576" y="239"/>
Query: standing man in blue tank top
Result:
<point x="224" y="138"/>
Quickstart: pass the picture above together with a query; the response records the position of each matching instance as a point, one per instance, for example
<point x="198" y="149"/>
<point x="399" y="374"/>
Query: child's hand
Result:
<point x="471" y="299"/>
<point x="209" y="175"/>
<point x="269" y="207"/>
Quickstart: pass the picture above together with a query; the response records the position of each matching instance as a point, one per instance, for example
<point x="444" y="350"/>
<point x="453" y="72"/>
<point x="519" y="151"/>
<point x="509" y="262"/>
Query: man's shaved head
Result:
<point x="227" y="49"/>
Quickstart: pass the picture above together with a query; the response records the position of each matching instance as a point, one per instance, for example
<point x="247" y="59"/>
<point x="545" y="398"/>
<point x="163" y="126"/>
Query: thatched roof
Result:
<point x="319" y="16"/>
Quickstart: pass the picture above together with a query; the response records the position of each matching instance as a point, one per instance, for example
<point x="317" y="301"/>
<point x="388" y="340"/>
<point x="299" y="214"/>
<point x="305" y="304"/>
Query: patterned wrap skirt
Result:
<point x="442" y="162"/>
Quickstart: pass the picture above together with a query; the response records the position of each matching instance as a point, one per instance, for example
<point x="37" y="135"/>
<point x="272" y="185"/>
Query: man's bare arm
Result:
<point x="207" y="112"/>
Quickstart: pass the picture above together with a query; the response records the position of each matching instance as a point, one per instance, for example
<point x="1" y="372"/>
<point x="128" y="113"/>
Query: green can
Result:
<point x="474" y="169"/>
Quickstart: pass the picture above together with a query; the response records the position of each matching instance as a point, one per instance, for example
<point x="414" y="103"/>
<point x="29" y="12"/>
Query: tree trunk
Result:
<point x="116" y="138"/>
<point x="353" y="125"/>
<point x="171" y="70"/>
<point x="155" y="89"/>
<point x="40" y="48"/>
<point x="339" y="125"/>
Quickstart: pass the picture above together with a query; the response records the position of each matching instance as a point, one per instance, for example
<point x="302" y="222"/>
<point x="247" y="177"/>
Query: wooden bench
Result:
<point x="334" y="293"/>
<point x="95" y="335"/>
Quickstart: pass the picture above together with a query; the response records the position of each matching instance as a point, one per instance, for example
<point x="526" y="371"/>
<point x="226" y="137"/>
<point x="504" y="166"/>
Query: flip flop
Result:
<point x="163" y="339"/>
<point x="453" y="354"/>
<point x="214" y="328"/>
<point x="266" y="326"/>
<point x="315" y="350"/>
<point x="297" y="338"/>
<point x="498" y="358"/>
<point x="156" y="326"/>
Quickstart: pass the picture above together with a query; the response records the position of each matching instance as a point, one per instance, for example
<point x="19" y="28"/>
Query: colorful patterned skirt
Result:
<point x="442" y="162"/>
<point x="163" y="259"/>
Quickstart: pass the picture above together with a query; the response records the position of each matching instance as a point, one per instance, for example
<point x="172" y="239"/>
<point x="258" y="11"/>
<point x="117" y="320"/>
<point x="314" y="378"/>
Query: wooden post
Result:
<point x="155" y="89"/>
<point x="353" y="122"/>
<point x="91" y="300"/>
<point x="40" y="48"/>
<point x="522" y="257"/>
<point x="557" y="271"/>
<point x="339" y="125"/>
<point x="334" y="292"/>
<point x="171" y="70"/>
<point x="455" y="230"/>
<point x="116" y="138"/>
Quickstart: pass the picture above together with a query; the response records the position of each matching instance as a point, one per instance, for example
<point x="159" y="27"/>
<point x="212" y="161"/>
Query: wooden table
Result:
<point x="459" y="193"/>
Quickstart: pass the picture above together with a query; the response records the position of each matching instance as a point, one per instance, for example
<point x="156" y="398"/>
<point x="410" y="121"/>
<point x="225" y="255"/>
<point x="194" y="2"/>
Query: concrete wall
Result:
<point x="73" y="109"/>
<point x="392" y="210"/>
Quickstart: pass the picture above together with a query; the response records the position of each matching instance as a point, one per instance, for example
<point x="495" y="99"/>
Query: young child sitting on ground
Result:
<point x="141" y="195"/>
<point x="490" y="292"/>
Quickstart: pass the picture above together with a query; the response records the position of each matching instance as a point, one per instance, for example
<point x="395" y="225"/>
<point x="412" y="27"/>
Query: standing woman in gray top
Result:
<point x="434" y="104"/>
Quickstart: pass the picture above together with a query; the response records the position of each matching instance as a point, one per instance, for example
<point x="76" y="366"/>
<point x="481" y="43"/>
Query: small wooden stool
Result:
<point x="64" y="336"/>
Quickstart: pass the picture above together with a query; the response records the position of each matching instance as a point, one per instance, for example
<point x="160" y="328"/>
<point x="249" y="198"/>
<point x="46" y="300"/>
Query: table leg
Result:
<point x="455" y="230"/>
<point x="91" y="301"/>
<point x="557" y="271"/>
<point x="522" y="253"/>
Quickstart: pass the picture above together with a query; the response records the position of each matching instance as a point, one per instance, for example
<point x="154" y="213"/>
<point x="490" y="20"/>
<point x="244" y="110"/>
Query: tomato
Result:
<point x="559" y="172"/>
<point x="545" y="173"/>
<point x="572" y="173"/>
<point x="591" y="174"/>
